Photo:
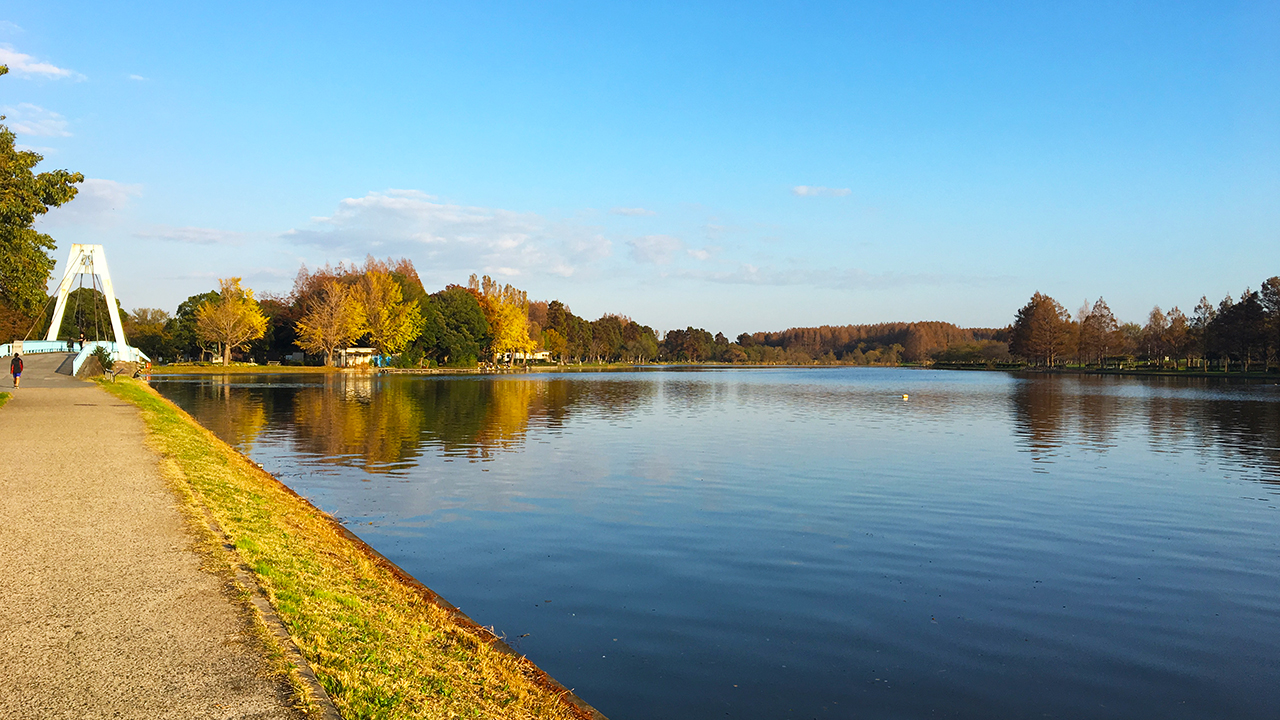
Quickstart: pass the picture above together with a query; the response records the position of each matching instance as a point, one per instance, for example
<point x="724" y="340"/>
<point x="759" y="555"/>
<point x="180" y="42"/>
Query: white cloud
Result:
<point x="445" y="240"/>
<point x="28" y="119"/>
<point x="656" y="249"/>
<point x="819" y="191"/>
<point x="192" y="235"/>
<point x="25" y="65"/>
<point x="632" y="212"/>
<point x="138" y="78"/>
<point x="699" y="254"/>
<point x="96" y="204"/>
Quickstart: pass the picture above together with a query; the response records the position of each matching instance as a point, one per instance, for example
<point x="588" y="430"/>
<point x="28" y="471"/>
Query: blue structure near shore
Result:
<point x="85" y="261"/>
<point x="119" y="352"/>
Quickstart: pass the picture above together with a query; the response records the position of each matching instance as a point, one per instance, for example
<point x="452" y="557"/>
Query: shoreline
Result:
<point x="180" y="370"/>
<point x="372" y="633"/>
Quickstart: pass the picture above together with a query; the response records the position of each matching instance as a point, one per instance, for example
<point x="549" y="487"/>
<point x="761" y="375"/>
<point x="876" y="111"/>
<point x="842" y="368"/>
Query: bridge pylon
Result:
<point x="91" y="260"/>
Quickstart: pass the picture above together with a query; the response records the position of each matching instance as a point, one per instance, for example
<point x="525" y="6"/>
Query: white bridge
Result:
<point x="91" y="261"/>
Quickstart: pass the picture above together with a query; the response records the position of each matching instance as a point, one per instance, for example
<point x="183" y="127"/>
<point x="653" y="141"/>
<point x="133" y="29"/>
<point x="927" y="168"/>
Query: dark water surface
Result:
<point x="807" y="544"/>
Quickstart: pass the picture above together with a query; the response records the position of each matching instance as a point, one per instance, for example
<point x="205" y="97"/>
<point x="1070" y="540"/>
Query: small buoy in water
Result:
<point x="906" y="397"/>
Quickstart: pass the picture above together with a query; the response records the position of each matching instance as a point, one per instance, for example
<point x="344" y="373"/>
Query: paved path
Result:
<point x="105" y="612"/>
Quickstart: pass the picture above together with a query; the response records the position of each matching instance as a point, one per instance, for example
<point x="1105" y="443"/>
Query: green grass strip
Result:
<point x="378" y="646"/>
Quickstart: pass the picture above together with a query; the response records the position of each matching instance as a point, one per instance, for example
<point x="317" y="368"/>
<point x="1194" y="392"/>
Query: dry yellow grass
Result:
<point x="377" y="644"/>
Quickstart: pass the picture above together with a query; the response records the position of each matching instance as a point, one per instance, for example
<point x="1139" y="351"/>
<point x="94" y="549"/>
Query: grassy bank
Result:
<point x="380" y="646"/>
<point x="4" y="398"/>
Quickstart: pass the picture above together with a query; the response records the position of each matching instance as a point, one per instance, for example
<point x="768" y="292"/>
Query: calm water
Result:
<point x="806" y="544"/>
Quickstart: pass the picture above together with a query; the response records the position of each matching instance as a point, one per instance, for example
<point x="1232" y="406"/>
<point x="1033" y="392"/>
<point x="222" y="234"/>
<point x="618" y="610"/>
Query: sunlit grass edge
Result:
<point x="378" y="646"/>
<point x="4" y="398"/>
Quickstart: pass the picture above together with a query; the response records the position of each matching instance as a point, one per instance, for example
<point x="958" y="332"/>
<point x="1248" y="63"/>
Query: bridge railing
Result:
<point x="32" y="347"/>
<point x="119" y="353"/>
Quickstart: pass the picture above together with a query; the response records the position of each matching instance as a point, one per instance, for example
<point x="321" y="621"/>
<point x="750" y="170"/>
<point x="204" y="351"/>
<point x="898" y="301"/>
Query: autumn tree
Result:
<point x="555" y="344"/>
<point x="1041" y="331"/>
<point x="392" y="322"/>
<point x="507" y="311"/>
<point x="1178" y="334"/>
<point x="1153" y="335"/>
<point x="1097" y="332"/>
<point x="231" y="321"/>
<point x="334" y="317"/>
<point x="25" y="264"/>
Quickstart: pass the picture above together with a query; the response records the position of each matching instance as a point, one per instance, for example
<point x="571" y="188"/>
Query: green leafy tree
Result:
<point x="181" y="328"/>
<point x="1269" y="296"/>
<point x="86" y="313"/>
<point x="145" y="328"/>
<point x="25" y="263"/>
<point x="456" y="331"/>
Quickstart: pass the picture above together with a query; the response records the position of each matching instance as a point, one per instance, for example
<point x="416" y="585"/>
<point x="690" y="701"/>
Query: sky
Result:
<point x="735" y="166"/>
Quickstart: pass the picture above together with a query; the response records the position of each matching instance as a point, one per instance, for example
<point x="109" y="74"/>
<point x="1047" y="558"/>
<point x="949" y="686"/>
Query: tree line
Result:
<point x="1242" y="334"/>
<point x="383" y="304"/>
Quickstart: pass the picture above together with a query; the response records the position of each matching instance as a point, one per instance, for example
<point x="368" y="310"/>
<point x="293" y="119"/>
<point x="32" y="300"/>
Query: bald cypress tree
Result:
<point x="1042" y="331"/>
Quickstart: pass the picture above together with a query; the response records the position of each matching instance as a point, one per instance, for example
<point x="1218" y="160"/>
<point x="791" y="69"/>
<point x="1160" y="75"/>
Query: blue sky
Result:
<point x="733" y="166"/>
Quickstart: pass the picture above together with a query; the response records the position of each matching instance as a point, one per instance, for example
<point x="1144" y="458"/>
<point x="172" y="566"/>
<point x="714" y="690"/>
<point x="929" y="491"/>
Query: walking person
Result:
<point x="15" y="368"/>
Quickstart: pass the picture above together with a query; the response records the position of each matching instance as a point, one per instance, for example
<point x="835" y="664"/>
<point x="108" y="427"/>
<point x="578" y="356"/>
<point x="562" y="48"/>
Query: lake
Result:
<point x="791" y="543"/>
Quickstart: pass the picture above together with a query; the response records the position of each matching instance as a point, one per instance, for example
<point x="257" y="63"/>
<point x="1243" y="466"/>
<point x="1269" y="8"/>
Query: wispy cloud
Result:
<point x="192" y="235"/>
<point x="97" y="204"/>
<point x="655" y="249"/>
<point x="445" y="239"/>
<point x="28" y="119"/>
<point x="24" y="65"/>
<point x="632" y="212"/>
<point x="138" y="78"/>
<point x="819" y="191"/>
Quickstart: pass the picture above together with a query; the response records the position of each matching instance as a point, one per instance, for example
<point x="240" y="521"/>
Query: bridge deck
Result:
<point x="44" y="370"/>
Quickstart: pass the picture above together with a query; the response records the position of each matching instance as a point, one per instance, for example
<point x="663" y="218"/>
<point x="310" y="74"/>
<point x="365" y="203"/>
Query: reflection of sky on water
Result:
<point x="995" y="546"/>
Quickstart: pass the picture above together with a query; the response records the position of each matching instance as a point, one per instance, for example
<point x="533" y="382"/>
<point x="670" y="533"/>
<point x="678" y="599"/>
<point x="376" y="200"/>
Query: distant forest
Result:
<point x="384" y="305"/>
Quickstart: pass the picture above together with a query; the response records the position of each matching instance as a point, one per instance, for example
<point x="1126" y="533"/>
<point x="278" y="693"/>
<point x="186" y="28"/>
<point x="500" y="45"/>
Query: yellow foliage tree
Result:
<point x="555" y="343"/>
<point x="335" y="317"/>
<point x="507" y="310"/>
<point x="392" y="322"/>
<point x="232" y="321"/>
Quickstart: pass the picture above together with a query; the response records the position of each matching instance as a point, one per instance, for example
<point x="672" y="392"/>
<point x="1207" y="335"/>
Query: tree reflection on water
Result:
<point x="1208" y="417"/>
<point x="384" y="424"/>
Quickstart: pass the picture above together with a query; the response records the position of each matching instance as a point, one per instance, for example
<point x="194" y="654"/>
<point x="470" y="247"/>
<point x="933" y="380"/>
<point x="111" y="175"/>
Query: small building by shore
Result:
<point x="355" y="357"/>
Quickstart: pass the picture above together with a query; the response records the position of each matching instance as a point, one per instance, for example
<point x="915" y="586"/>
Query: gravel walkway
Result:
<point x="106" y="612"/>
